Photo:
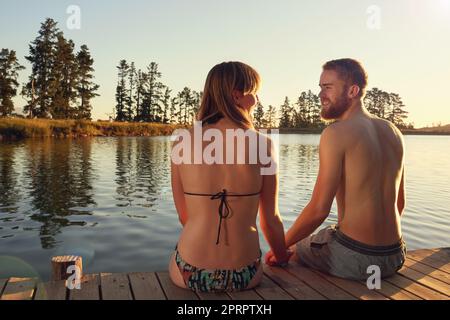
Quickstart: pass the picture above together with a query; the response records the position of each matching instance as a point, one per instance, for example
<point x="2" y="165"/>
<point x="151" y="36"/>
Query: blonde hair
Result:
<point x="217" y="101"/>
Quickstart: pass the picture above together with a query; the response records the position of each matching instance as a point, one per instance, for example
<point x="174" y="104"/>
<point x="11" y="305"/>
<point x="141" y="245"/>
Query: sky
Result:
<point x="404" y="45"/>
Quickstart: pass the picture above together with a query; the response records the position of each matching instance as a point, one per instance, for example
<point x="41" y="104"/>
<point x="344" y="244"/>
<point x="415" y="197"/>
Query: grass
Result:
<point x="17" y="128"/>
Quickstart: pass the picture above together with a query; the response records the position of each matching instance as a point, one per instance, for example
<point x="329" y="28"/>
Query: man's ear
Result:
<point x="353" y="91"/>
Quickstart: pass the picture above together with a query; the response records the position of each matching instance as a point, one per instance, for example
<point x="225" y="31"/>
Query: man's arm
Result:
<point x="331" y="157"/>
<point x="401" y="194"/>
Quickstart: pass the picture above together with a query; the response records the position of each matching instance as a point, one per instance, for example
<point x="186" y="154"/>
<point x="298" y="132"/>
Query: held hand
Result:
<point x="272" y="261"/>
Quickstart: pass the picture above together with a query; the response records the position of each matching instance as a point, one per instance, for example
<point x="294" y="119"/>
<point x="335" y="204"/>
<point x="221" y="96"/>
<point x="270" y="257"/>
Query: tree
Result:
<point x="131" y="85"/>
<point x="258" y="115"/>
<point x="63" y="80"/>
<point x="301" y="113"/>
<point x="174" y="114"/>
<point x="166" y="105"/>
<point x="151" y="105"/>
<point x="9" y="71"/>
<point x="397" y="113"/>
<point x="185" y="100"/>
<point x="286" y="114"/>
<point x="86" y="88"/>
<point x="121" y="91"/>
<point x="270" y="117"/>
<point x="42" y="59"/>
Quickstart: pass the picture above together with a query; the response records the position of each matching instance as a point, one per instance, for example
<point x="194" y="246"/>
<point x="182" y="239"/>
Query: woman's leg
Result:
<point x="175" y="273"/>
<point x="256" y="278"/>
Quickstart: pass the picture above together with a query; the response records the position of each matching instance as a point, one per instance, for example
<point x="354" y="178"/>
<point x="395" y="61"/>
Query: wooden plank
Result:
<point x="395" y="293"/>
<point x="355" y="288"/>
<point x="145" y="286"/>
<point x="436" y="258"/>
<point x="269" y="290"/>
<point x="53" y="290"/>
<point x="425" y="280"/>
<point x="2" y="285"/>
<point x="90" y="288"/>
<point x="244" y="295"/>
<point x="19" y="289"/>
<point x="316" y="282"/>
<point x="429" y="271"/>
<point x="115" y="286"/>
<point x="173" y="292"/>
<point x="415" y="288"/>
<point x="292" y="285"/>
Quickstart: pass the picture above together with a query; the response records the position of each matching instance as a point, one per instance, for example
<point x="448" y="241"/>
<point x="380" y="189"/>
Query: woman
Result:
<point x="217" y="203"/>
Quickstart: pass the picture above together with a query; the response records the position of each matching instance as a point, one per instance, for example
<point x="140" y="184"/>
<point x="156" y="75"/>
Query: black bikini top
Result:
<point x="224" y="208"/>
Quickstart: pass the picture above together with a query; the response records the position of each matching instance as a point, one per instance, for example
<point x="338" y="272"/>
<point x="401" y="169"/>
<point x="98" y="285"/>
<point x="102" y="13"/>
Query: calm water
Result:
<point x="109" y="200"/>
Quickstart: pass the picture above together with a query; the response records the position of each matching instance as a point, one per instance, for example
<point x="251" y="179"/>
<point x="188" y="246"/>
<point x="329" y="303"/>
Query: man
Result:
<point x="361" y="164"/>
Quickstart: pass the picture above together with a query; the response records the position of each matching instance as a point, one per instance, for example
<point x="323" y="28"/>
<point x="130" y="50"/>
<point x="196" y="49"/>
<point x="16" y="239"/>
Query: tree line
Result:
<point x="305" y="111"/>
<point x="60" y="85"/>
<point x="142" y="97"/>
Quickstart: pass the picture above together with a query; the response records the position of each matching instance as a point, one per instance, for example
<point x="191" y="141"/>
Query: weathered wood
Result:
<point x="90" y="288"/>
<point x="436" y="258"/>
<point x="115" y="286"/>
<point x="269" y="290"/>
<point x="355" y="288"/>
<point x="295" y="287"/>
<point x="173" y="292"/>
<point x="319" y="284"/>
<point x="145" y="286"/>
<point x="415" y="288"/>
<point x="60" y="265"/>
<point x="244" y="295"/>
<point x="19" y="289"/>
<point x="53" y="290"/>
<point x="425" y="280"/>
<point x="395" y="293"/>
<point x="2" y="285"/>
<point x="427" y="270"/>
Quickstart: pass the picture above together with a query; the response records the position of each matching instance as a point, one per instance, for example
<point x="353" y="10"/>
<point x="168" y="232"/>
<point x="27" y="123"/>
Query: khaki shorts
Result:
<point x="332" y="252"/>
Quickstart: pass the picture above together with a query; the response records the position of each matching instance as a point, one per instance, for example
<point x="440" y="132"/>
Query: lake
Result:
<point x="109" y="199"/>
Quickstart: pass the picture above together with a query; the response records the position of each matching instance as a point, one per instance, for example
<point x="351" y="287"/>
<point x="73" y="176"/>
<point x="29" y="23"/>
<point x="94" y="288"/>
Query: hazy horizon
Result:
<point x="400" y="44"/>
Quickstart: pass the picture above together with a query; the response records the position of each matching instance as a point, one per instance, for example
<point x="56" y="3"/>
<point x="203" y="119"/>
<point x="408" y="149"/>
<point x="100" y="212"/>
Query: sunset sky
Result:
<point x="406" y="50"/>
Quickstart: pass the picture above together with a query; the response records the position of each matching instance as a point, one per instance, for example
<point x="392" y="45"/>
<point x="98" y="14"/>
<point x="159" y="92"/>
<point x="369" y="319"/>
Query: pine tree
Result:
<point x="286" y="114"/>
<point x="132" y="84"/>
<point x="270" y="117"/>
<point x="258" y="115"/>
<point x="166" y="106"/>
<point x="140" y="93"/>
<point x="9" y="68"/>
<point x="186" y="105"/>
<point x="151" y="104"/>
<point x="121" y="91"/>
<point x="42" y="59"/>
<point x="63" y="80"/>
<point x="86" y="88"/>
<point x="301" y="113"/>
<point x="174" y="114"/>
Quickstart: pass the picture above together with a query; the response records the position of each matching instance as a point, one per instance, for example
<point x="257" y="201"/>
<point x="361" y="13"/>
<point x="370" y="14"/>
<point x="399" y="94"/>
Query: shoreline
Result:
<point x="18" y="128"/>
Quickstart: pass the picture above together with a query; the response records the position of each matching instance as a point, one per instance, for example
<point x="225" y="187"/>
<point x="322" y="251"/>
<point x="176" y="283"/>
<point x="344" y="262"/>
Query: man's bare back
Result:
<point x="367" y="195"/>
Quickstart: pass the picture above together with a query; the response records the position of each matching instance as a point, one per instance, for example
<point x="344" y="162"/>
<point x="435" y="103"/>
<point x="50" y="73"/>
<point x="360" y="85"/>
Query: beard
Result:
<point x="337" y="109"/>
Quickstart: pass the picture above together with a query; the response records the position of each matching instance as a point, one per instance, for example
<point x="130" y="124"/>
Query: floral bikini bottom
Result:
<point x="216" y="280"/>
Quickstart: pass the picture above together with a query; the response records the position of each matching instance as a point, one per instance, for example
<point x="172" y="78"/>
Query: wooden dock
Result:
<point x="425" y="276"/>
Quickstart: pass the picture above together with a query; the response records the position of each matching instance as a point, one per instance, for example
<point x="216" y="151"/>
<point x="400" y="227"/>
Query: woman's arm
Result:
<point x="178" y="194"/>
<point x="270" y="218"/>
